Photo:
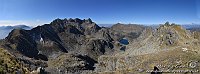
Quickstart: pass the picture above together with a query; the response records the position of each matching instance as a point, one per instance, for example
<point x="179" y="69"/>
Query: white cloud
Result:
<point x="19" y="22"/>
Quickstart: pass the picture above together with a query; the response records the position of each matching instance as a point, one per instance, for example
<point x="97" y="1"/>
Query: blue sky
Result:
<point x="38" y="12"/>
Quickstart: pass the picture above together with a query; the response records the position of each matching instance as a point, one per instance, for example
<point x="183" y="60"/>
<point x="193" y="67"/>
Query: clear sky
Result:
<point x="38" y="12"/>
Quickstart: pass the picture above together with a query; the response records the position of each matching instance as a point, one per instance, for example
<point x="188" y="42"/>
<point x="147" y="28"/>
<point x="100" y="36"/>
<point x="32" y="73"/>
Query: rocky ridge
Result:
<point x="65" y="38"/>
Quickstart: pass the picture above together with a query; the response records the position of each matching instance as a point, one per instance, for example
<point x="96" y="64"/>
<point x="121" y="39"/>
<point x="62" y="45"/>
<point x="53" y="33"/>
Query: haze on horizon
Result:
<point x="38" y="12"/>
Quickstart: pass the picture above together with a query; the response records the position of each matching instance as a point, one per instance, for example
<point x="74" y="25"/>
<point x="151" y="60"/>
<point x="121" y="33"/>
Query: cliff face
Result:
<point x="22" y="41"/>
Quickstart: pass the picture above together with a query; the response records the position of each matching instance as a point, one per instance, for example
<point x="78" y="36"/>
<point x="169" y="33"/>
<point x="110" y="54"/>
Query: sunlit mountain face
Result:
<point x="5" y="30"/>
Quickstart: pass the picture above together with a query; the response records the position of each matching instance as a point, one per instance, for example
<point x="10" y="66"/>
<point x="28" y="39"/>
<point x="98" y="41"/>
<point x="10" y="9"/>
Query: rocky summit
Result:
<point x="80" y="46"/>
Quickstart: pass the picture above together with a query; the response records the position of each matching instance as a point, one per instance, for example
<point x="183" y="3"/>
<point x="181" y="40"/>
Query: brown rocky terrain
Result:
<point x="81" y="46"/>
<point x="170" y="48"/>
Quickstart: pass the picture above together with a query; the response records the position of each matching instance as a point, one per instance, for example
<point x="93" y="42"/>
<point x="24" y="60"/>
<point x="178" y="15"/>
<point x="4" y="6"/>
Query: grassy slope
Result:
<point x="172" y="60"/>
<point x="8" y="64"/>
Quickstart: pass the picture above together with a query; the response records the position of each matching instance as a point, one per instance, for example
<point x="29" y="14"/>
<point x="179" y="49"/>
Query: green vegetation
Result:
<point x="8" y="64"/>
<point x="1" y="41"/>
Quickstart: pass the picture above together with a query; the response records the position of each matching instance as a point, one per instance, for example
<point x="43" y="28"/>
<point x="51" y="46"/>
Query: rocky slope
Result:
<point x="62" y="41"/>
<point x="81" y="46"/>
<point x="169" y="48"/>
<point x="166" y="37"/>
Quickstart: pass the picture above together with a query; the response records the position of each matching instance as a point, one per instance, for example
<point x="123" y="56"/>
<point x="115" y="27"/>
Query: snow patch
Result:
<point x="41" y="39"/>
<point x="184" y="49"/>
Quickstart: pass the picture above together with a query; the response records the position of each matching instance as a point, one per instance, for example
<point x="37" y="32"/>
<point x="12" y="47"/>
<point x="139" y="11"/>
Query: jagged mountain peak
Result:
<point x="71" y="20"/>
<point x="61" y="36"/>
<point x="86" y="26"/>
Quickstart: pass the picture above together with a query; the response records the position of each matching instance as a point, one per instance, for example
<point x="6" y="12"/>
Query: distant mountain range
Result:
<point x="5" y="30"/>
